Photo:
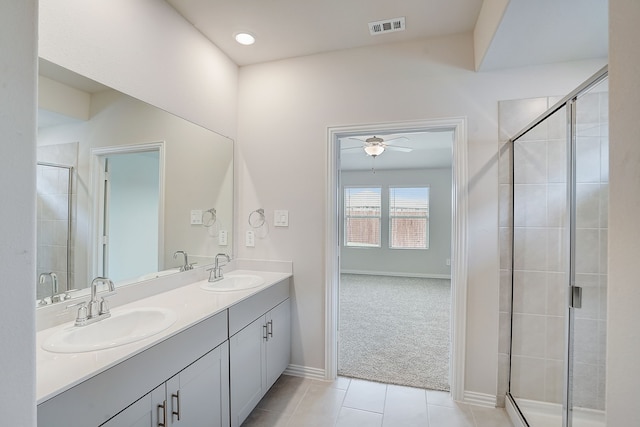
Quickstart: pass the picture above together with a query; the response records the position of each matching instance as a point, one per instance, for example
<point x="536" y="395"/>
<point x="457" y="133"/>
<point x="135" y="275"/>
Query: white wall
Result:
<point x="429" y="262"/>
<point x="285" y="109"/>
<point x="18" y="41"/>
<point x="145" y="49"/>
<point x="623" y="334"/>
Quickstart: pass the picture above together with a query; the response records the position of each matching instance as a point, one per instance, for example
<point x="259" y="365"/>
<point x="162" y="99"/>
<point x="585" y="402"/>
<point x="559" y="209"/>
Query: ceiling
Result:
<point x="534" y="32"/>
<point x="290" y="28"/>
<point x="55" y="72"/>
<point x="528" y="32"/>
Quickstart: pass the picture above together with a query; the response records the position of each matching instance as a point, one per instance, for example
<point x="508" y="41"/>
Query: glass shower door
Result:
<point x="559" y="262"/>
<point x="53" y="225"/>
<point x="587" y="332"/>
<point x="540" y="271"/>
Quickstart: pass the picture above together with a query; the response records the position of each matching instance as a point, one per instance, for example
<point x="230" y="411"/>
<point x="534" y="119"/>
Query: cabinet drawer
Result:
<point x="245" y="312"/>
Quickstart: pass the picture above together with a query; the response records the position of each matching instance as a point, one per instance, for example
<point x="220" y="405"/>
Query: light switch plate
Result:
<point x="196" y="217"/>
<point x="222" y="238"/>
<point x="281" y="218"/>
<point x="250" y="239"/>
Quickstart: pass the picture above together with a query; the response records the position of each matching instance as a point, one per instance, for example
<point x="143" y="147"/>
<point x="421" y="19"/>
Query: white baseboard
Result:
<point x="479" y="399"/>
<point x="305" y="372"/>
<point x="397" y="274"/>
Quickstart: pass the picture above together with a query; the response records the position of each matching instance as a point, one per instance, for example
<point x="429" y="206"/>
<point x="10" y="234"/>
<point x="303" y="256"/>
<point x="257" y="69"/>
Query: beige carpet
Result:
<point x="395" y="330"/>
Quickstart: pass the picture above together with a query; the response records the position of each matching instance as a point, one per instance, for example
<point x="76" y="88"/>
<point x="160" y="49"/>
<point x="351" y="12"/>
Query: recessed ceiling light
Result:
<point x="245" y="38"/>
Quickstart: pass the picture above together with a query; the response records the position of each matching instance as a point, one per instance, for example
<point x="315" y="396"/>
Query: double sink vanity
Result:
<point x="170" y="347"/>
<point x="196" y="353"/>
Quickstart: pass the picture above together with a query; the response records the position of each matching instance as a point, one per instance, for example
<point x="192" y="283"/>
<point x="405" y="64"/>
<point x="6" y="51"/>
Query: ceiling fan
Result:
<point x="374" y="146"/>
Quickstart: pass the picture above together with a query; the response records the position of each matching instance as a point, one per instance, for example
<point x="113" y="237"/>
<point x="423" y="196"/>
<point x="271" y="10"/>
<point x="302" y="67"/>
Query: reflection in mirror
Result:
<point x="53" y="222"/>
<point x="139" y="184"/>
<point x="129" y="210"/>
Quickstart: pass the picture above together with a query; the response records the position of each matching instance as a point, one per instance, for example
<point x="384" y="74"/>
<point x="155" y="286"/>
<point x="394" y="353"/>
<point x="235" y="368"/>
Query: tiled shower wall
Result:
<point x="533" y="236"/>
<point x="53" y="234"/>
<point x="592" y="199"/>
<point x="539" y="292"/>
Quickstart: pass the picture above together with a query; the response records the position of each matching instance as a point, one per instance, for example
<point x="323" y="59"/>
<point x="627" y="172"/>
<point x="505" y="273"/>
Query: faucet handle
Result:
<point x="83" y="312"/>
<point x="211" y="271"/>
<point x="104" y="306"/>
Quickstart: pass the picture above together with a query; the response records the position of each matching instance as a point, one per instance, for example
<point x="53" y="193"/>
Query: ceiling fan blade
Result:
<point x="396" y="148"/>
<point x="351" y="148"/>
<point x="399" y="138"/>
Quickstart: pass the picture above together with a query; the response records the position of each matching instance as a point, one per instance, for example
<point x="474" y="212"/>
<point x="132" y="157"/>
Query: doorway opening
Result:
<point x="128" y="219"/>
<point x="374" y="227"/>
<point x="395" y="258"/>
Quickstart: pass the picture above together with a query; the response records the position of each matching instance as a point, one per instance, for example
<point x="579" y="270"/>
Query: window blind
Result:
<point x="362" y="216"/>
<point x="409" y="217"/>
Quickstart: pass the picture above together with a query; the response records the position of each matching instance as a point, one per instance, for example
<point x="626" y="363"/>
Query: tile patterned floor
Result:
<point x="299" y="402"/>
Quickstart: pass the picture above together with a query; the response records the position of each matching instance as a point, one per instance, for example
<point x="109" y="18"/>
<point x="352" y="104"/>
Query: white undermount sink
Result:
<point x="123" y="327"/>
<point x="233" y="282"/>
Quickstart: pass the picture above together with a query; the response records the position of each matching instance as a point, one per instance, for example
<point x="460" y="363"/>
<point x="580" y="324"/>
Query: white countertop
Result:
<point x="58" y="372"/>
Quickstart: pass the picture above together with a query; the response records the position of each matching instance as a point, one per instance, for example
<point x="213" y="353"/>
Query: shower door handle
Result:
<point x="576" y="296"/>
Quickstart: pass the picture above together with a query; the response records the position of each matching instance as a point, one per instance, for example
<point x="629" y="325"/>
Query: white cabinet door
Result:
<point x="199" y="395"/>
<point x="145" y="412"/>
<point x="259" y="353"/>
<point x="278" y="341"/>
<point x="247" y="369"/>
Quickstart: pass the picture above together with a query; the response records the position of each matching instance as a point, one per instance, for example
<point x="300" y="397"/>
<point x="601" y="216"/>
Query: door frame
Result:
<point x="458" y="238"/>
<point x="97" y="177"/>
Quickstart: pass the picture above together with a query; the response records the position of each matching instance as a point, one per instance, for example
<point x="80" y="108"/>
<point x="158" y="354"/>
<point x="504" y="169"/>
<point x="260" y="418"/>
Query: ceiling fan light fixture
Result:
<point x="374" y="150"/>
<point x="245" y="38"/>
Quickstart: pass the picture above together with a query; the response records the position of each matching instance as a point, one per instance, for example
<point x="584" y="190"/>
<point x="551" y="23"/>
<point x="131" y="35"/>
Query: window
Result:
<point x="362" y="216"/>
<point x="409" y="218"/>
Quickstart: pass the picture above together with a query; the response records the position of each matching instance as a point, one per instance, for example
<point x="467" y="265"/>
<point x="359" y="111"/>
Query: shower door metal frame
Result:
<point x="572" y="291"/>
<point x="70" y="170"/>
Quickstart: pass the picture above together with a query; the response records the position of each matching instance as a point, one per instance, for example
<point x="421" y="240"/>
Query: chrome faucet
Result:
<point x="217" y="269"/>
<point x="186" y="265"/>
<point x="54" y="285"/>
<point x="94" y="310"/>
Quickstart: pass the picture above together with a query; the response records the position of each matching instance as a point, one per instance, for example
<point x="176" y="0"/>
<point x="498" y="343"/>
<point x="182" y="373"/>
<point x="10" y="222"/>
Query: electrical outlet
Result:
<point x="196" y="217"/>
<point x="250" y="239"/>
<point x="222" y="238"/>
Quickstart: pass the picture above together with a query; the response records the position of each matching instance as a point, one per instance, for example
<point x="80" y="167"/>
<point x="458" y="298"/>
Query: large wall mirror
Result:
<point x="124" y="189"/>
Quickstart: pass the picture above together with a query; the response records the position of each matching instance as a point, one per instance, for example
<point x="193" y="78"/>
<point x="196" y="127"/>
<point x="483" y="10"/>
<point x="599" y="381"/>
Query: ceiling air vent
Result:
<point x="386" y="26"/>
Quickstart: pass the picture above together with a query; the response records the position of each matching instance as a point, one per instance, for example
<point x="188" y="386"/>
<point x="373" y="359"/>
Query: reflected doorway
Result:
<point x="129" y="212"/>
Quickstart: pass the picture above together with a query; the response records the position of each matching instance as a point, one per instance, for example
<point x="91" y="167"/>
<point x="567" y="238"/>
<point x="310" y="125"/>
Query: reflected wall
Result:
<point x="197" y="174"/>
